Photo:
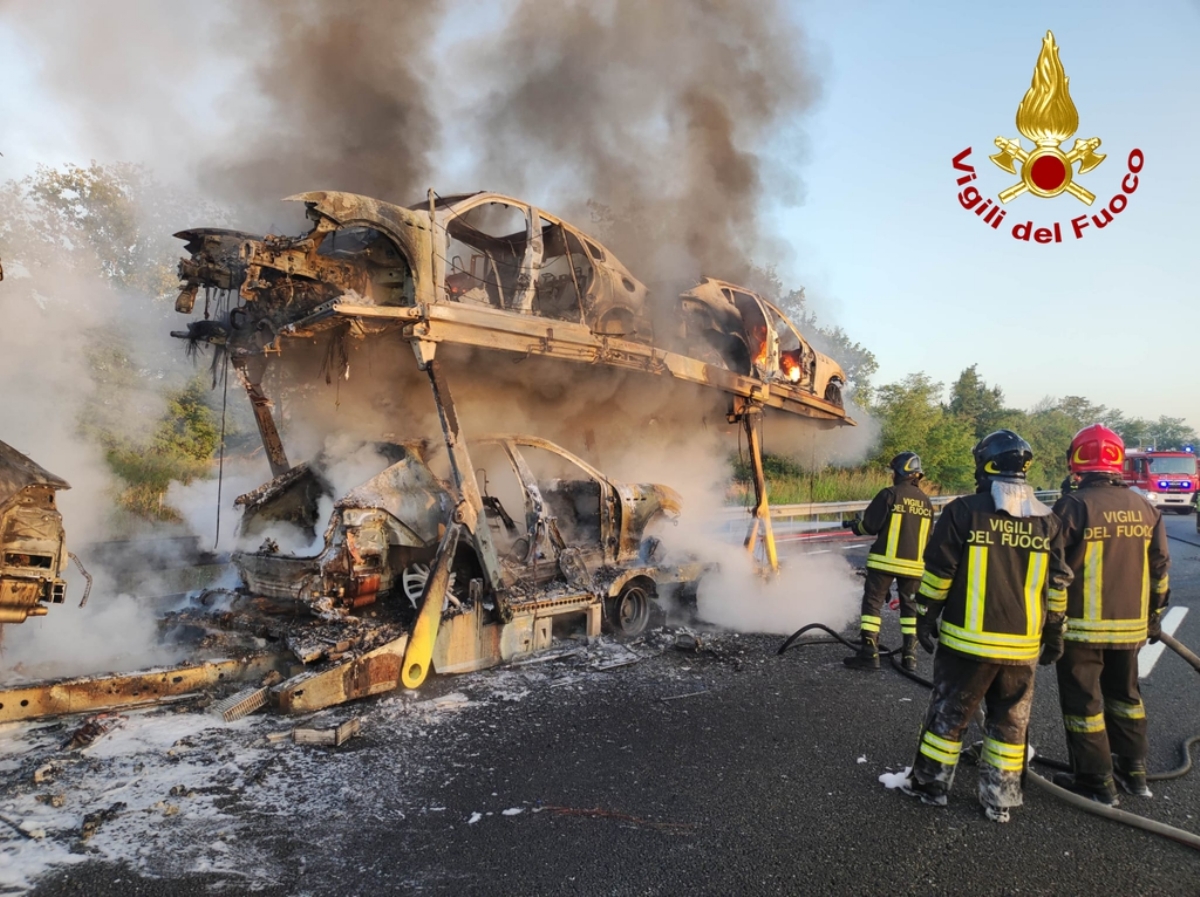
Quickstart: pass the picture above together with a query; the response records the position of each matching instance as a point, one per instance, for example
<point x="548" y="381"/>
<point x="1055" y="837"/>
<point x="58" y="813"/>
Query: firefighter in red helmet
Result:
<point x="899" y="517"/>
<point x="995" y="574"/>
<point x="1116" y="544"/>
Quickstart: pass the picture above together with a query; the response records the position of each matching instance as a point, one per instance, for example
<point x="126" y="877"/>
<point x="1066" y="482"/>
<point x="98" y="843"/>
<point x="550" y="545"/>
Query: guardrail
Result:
<point x="816" y="516"/>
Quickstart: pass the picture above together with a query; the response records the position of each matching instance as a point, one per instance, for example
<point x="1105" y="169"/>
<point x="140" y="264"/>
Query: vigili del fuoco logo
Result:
<point x="1048" y="117"/>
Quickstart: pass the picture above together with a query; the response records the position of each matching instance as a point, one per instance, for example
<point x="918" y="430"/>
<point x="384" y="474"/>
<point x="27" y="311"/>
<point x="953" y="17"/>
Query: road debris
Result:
<point x="336" y="736"/>
<point x="241" y="703"/>
<point x="45" y="772"/>
<point x="93" y="821"/>
<point x="92" y="729"/>
<point x="25" y="828"/>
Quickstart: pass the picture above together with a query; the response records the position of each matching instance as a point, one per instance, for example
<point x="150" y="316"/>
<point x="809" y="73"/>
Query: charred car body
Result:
<point x="406" y="579"/>
<point x="33" y="553"/>
<point x="570" y="525"/>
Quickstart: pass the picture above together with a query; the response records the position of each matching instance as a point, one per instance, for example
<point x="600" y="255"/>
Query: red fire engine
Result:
<point x="1167" y="479"/>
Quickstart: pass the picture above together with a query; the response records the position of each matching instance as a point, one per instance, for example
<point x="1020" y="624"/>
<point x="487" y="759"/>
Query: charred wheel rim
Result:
<point x="629" y="612"/>
<point x="413" y="581"/>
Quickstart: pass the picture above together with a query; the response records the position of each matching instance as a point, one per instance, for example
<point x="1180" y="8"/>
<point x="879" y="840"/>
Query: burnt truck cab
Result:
<point x="33" y="553"/>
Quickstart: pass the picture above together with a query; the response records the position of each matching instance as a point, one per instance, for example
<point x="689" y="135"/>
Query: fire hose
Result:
<point x="1078" y="801"/>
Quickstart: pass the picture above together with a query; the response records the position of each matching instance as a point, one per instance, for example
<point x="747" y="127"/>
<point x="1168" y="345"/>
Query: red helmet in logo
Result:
<point x="1096" y="449"/>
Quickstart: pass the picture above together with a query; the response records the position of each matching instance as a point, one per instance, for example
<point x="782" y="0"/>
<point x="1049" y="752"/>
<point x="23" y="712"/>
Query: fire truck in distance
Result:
<point x="1168" y="479"/>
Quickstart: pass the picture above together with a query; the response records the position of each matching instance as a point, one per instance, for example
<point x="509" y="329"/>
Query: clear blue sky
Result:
<point x="880" y="240"/>
<point x="886" y="249"/>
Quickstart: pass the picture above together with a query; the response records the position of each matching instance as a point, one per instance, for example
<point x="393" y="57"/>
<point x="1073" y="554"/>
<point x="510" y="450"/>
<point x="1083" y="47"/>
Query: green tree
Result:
<point x="1083" y="412"/>
<point x="180" y="449"/>
<point x="1048" y="429"/>
<point x="110" y="227"/>
<point x="1171" y="433"/>
<point x="973" y="401"/>
<point x="912" y="418"/>
<point x="114" y="221"/>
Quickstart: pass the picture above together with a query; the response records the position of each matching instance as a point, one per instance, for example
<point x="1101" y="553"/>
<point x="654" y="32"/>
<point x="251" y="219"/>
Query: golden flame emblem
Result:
<point x="1048" y="117"/>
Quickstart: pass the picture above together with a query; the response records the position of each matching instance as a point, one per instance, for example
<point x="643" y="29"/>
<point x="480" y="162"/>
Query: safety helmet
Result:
<point x="1002" y="454"/>
<point x="907" y="465"/>
<point x="1096" y="449"/>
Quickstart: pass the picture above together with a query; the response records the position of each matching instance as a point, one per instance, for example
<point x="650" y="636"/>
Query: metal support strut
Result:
<point x="250" y="373"/>
<point x="749" y="415"/>
<point x="468" y="516"/>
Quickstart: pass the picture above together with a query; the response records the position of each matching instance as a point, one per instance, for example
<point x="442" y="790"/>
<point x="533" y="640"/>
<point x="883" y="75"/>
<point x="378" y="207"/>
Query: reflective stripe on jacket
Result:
<point x="1116" y="545"/>
<point x="993" y="577"/>
<point x="900" y="517"/>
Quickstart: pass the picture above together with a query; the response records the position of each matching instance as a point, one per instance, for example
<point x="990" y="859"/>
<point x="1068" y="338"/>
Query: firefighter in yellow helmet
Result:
<point x="900" y="517"/>
<point x="995" y="574"/>
<point x="1116" y="544"/>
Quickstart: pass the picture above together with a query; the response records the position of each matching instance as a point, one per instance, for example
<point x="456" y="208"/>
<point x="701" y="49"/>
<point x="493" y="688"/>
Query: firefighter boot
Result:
<point x="935" y="793"/>
<point x="908" y="654"/>
<point x="1131" y="775"/>
<point x="867" y="657"/>
<point x="1099" y="788"/>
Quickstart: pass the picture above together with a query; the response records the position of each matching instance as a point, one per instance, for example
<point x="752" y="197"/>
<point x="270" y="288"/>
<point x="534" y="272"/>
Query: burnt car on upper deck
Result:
<point x="513" y="262"/>
<point x="483" y="249"/>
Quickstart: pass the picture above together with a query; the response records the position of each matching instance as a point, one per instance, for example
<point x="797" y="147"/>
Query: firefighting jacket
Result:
<point x="900" y="516"/>
<point x="993" y="577"/>
<point x="1116" y="544"/>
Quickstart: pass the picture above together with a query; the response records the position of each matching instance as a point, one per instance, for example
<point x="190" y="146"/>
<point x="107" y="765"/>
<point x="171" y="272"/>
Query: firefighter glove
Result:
<point x="927" y="631"/>
<point x="1052" y="639"/>
<point x="851" y="523"/>
<point x="1154" y="626"/>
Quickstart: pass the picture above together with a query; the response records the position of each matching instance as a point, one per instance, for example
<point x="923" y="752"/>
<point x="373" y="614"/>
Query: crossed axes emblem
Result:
<point x="1084" y="152"/>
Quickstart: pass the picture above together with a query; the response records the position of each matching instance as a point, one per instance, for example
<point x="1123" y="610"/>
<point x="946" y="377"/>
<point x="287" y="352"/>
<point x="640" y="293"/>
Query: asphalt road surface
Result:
<point x="729" y="770"/>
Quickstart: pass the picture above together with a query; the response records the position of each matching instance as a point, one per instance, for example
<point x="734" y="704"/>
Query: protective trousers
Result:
<point x="1102" y="706"/>
<point x="875" y="593"/>
<point x="959" y="685"/>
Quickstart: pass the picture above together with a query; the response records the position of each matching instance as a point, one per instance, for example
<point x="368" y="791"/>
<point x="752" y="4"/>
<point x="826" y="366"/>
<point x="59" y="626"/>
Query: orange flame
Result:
<point x="758" y="337"/>
<point x="790" y="367"/>
<point x="1047" y="116"/>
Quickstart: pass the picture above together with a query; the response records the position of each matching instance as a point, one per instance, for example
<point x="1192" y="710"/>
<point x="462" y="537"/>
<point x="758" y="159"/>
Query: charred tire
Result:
<point x="833" y="392"/>
<point x="630" y="611"/>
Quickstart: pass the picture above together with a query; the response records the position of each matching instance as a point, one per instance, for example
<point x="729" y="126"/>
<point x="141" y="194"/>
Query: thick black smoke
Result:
<point x="656" y="114"/>
<point x="341" y="100"/>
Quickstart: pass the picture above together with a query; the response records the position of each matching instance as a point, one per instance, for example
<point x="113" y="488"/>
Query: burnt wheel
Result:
<point x="629" y="612"/>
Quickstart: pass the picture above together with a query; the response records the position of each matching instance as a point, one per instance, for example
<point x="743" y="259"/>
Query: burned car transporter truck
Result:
<point x="494" y="273"/>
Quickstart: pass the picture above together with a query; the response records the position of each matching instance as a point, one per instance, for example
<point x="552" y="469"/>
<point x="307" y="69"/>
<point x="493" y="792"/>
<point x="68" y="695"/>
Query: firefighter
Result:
<point x="900" y="516"/>
<point x="1071" y="481"/>
<point x="1116" y="545"/>
<point x="995" y="574"/>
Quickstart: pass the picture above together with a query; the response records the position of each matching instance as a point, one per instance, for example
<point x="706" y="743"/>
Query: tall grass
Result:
<point x="788" y="483"/>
